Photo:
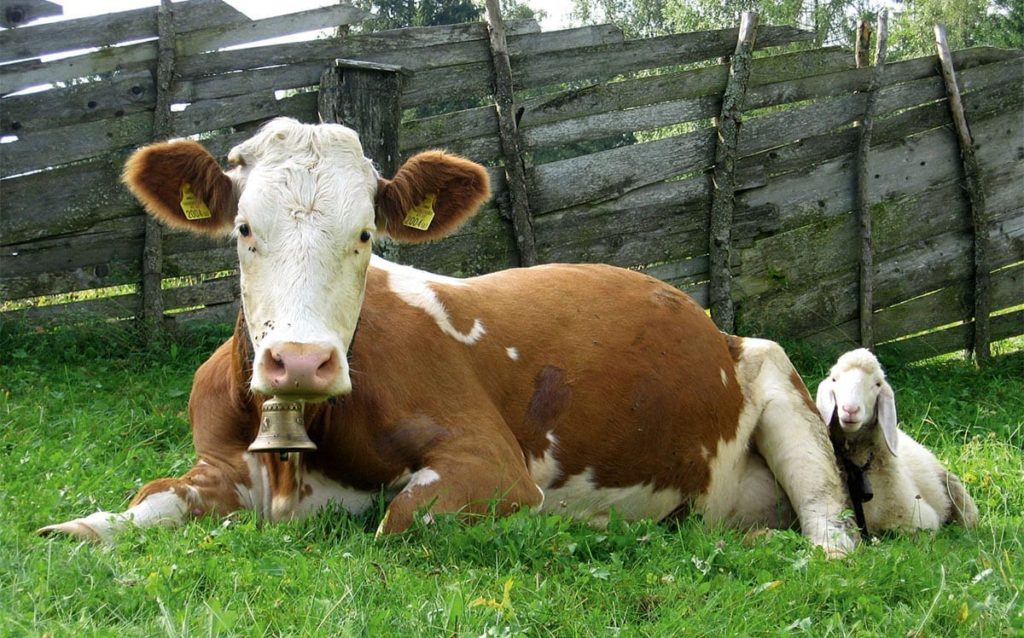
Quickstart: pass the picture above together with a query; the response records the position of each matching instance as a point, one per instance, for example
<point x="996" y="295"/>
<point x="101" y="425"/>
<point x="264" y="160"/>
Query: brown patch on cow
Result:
<point x="801" y="388"/>
<point x="458" y="185"/>
<point x="735" y="345"/>
<point x="408" y="440"/>
<point x="551" y="398"/>
<point x="156" y="173"/>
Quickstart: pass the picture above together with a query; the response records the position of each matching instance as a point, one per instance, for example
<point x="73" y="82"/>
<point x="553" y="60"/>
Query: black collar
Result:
<point x="857" y="483"/>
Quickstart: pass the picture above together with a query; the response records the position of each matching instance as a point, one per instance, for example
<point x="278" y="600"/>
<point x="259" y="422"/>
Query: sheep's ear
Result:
<point x="886" y="414"/>
<point x="826" y="401"/>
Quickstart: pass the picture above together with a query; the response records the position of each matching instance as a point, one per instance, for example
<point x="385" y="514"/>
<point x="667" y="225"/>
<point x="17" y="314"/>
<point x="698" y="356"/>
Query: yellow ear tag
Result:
<point x="192" y="206"/>
<point x="420" y="216"/>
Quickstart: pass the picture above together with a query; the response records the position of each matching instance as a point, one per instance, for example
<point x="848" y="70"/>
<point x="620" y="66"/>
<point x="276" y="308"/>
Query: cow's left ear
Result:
<point x="432" y="194"/>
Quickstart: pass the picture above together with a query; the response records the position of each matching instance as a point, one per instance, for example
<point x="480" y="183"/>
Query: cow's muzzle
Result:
<point x="307" y="371"/>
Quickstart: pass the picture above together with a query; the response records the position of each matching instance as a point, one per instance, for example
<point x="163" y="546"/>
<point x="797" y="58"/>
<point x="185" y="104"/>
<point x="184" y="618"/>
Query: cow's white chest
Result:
<point x="313" y="491"/>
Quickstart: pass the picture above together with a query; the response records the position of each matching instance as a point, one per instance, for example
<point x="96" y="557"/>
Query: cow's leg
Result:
<point x="760" y="500"/>
<point x="793" y="441"/>
<point x="468" y="476"/>
<point x="205" y="489"/>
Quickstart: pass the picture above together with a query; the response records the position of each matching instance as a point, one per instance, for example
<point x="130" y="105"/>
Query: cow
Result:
<point x="574" y="389"/>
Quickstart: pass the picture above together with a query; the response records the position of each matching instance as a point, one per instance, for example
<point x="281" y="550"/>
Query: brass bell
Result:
<point x="282" y="428"/>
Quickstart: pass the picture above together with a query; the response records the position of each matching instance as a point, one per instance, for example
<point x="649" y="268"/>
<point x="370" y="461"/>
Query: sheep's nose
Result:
<point x="851" y="410"/>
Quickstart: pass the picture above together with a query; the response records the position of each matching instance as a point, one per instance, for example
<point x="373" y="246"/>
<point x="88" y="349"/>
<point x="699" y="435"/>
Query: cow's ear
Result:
<point x="181" y="184"/>
<point x="432" y="194"/>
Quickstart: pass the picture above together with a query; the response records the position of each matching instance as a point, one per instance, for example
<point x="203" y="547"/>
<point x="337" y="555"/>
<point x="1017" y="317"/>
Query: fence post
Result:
<point x="866" y="301"/>
<point x="978" y="339"/>
<point x="724" y="177"/>
<point x="365" y="97"/>
<point x="511" y="148"/>
<point x="152" y="251"/>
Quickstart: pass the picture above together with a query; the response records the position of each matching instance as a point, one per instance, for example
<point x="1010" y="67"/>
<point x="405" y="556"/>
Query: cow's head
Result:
<point x="304" y="206"/>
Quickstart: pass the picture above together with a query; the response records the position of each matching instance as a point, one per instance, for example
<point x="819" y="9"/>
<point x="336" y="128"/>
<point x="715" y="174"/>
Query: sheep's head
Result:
<point x="857" y="395"/>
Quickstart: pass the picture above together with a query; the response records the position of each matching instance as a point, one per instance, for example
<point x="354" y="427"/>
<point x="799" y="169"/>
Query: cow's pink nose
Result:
<point x="300" y="368"/>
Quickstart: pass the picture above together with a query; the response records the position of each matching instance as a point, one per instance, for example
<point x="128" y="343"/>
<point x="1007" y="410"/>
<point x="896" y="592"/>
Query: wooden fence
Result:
<point x="617" y="143"/>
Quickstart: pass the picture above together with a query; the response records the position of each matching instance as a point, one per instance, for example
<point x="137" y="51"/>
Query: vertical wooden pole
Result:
<point x="724" y="176"/>
<point x="866" y="301"/>
<point x="863" y="43"/>
<point x="511" y="146"/>
<point x="979" y="341"/>
<point x="366" y="97"/>
<point x="152" y="251"/>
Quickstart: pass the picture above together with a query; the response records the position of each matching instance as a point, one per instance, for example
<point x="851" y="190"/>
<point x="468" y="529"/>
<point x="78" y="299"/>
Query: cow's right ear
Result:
<point x="181" y="184"/>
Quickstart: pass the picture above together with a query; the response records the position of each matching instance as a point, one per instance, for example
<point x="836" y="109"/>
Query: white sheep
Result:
<point x="911" y="488"/>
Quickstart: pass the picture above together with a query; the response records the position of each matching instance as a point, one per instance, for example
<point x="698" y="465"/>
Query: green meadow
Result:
<point x="87" y="415"/>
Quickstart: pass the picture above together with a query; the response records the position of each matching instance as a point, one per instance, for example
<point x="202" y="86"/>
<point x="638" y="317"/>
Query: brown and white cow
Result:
<point x="575" y="389"/>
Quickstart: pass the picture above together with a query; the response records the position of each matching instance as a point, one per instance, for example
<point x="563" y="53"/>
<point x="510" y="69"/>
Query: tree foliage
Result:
<point x="968" y="22"/>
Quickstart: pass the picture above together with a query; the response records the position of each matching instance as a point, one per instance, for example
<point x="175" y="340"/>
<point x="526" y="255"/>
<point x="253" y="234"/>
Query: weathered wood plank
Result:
<point x="214" y="313"/>
<point x="659" y="223"/>
<point x="39" y="149"/>
<point x="926" y="312"/>
<point x="18" y="13"/>
<point x="951" y="339"/>
<point x="926" y="265"/>
<point x="88" y="193"/>
<point x="105" y="254"/>
<point x="617" y="171"/>
<point x="211" y="292"/>
<point x="601" y="110"/>
<point x="114" y="28"/>
<point x="123" y="94"/>
<point x="210" y="115"/>
<point x="87" y="311"/>
<point x="828" y="246"/>
<point x="127" y="58"/>
<point x="225" y="35"/>
<point x="485" y="244"/>
<point x="296" y="75"/>
<point x="607" y="61"/>
<point x="606" y="109"/>
<point x="412" y="47"/>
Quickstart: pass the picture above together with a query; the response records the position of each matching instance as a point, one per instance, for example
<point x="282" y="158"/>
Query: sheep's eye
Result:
<point x="833" y="379"/>
<point x="365" y="236"/>
<point x="878" y="384"/>
<point x="244" y="231"/>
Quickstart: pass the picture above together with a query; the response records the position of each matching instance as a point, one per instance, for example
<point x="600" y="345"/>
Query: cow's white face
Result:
<point x="304" y="229"/>
<point x="303" y="205"/>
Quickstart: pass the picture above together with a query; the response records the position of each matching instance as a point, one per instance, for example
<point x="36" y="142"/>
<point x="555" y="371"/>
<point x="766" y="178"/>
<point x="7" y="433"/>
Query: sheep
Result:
<point x="911" y="489"/>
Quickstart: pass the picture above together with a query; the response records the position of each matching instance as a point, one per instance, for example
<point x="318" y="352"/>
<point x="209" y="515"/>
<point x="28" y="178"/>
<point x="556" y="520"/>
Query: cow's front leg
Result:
<point x="793" y="441"/>
<point x="205" y="489"/>
<point x="467" y="476"/>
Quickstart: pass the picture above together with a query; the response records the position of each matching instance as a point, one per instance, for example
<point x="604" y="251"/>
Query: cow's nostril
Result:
<point x="273" y="364"/>
<point x="329" y="368"/>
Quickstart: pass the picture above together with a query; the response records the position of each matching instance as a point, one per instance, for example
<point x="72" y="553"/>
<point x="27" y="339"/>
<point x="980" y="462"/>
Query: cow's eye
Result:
<point x="244" y="231"/>
<point x="365" y="236"/>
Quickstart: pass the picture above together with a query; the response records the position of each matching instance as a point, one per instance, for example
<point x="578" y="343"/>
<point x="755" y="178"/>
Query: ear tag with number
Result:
<point x="419" y="217"/>
<point x="192" y="206"/>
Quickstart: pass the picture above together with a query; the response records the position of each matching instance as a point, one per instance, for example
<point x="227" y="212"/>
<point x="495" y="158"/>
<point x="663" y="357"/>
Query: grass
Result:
<point x="89" y="414"/>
